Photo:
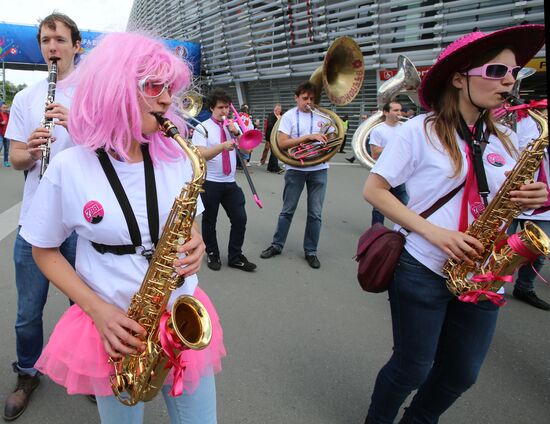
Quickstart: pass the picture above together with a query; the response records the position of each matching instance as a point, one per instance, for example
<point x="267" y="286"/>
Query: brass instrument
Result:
<point x="139" y="377"/>
<point x="509" y="118"/>
<point x="48" y="123"/>
<point x="405" y="81"/>
<point x="341" y="75"/>
<point x="189" y="106"/>
<point x="499" y="257"/>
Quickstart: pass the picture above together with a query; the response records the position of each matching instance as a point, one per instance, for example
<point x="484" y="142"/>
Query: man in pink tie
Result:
<point x="220" y="187"/>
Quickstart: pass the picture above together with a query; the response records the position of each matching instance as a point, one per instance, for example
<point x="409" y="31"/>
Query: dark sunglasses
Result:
<point x="493" y="71"/>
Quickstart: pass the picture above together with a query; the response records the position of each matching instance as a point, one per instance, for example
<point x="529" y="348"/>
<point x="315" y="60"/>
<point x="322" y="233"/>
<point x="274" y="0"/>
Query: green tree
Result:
<point x="10" y="89"/>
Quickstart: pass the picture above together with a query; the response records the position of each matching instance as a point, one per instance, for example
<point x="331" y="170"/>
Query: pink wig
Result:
<point x="105" y="110"/>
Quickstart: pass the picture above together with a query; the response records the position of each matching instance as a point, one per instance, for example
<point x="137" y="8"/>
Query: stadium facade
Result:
<point x="259" y="50"/>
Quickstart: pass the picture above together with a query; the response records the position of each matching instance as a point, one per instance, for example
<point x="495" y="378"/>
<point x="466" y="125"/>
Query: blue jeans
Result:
<point x="526" y="274"/>
<point x="439" y="346"/>
<point x="6" y="143"/>
<point x="196" y="408"/>
<point x="32" y="292"/>
<point x="401" y="193"/>
<point x="316" y="183"/>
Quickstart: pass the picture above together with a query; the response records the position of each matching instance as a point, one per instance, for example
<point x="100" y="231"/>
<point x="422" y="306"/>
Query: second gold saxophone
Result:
<point x="139" y="377"/>
<point x="502" y="254"/>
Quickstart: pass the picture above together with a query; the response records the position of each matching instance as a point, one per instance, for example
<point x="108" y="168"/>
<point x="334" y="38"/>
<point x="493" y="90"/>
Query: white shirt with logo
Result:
<point x="427" y="169"/>
<point x="307" y="121"/>
<point x="27" y="111"/>
<point x="214" y="166"/>
<point x="383" y="134"/>
<point x="75" y="195"/>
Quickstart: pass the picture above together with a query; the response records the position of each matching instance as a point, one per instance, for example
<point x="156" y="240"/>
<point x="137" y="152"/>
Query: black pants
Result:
<point x="273" y="164"/>
<point x="231" y="197"/>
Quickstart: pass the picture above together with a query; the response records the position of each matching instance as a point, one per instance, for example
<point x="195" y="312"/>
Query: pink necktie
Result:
<point x="226" y="161"/>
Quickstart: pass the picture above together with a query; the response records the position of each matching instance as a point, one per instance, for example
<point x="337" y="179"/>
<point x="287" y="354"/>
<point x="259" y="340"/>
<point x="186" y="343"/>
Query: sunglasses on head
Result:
<point x="493" y="71"/>
<point x="151" y="87"/>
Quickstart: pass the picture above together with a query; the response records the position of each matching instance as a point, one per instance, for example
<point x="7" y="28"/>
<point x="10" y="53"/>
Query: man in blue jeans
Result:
<point x="299" y="125"/>
<point x="59" y="40"/>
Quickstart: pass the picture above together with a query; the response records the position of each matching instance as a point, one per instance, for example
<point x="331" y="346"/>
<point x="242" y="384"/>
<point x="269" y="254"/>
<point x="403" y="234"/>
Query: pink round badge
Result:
<point x="496" y="160"/>
<point x="93" y="212"/>
<point x="477" y="209"/>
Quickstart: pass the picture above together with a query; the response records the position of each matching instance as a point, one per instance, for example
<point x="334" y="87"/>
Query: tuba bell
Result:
<point x="405" y="81"/>
<point x="341" y="75"/>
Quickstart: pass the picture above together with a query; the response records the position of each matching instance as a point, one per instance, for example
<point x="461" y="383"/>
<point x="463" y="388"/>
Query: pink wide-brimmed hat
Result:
<point x="524" y="40"/>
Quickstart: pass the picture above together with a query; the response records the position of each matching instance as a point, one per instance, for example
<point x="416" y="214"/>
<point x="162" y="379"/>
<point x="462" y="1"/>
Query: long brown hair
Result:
<point x="446" y="117"/>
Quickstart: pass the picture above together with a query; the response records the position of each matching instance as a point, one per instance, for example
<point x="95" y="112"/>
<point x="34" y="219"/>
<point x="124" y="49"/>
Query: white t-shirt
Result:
<point x="382" y="134"/>
<point x="427" y="170"/>
<point x="215" y="165"/>
<point x="308" y="123"/>
<point x="527" y="131"/>
<point x="26" y="114"/>
<point x="75" y="192"/>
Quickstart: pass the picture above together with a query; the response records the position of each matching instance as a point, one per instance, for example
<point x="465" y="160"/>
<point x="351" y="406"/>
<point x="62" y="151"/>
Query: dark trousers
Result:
<point x="231" y="197"/>
<point x="439" y="346"/>
<point x="273" y="164"/>
<point x="400" y="193"/>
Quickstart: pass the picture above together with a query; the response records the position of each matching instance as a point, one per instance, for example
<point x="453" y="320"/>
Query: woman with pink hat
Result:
<point x="440" y="342"/>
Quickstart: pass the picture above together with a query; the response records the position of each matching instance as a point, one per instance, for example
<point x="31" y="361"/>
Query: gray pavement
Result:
<point x="304" y="346"/>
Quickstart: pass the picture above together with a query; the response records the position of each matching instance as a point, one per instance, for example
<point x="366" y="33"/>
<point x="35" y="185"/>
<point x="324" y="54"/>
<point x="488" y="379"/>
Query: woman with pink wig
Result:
<point x="121" y="159"/>
<point x="440" y="341"/>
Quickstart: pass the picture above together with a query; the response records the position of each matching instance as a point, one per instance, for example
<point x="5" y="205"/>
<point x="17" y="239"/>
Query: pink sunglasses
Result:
<point x="493" y="71"/>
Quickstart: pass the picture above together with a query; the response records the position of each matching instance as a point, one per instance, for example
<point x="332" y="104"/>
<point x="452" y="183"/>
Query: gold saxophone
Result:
<point x="139" y="377"/>
<point x="499" y="258"/>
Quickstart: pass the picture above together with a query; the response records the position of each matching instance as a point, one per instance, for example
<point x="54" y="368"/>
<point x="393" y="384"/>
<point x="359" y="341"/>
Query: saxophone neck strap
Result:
<point x="129" y="216"/>
<point x="477" y="139"/>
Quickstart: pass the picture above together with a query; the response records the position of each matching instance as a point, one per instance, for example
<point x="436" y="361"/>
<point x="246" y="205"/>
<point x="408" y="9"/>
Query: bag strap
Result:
<point x="441" y="201"/>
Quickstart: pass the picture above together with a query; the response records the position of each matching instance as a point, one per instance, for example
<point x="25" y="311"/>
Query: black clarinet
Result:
<point x="48" y="122"/>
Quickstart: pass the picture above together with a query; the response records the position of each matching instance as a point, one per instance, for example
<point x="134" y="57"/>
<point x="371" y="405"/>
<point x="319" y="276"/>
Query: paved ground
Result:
<point x="304" y="346"/>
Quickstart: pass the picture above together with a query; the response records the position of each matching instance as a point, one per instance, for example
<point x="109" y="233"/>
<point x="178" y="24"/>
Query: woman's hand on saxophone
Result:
<point x="530" y="195"/>
<point x="117" y="331"/>
<point x="455" y="244"/>
<point x="193" y="252"/>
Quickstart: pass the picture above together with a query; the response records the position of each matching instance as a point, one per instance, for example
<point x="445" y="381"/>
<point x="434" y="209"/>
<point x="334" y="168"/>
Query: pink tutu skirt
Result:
<point x="76" y="359"/>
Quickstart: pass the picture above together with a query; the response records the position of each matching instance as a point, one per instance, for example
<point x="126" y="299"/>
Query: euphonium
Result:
<point x="502" y="255"/>
<point x="341" y="75"/>
<point x="48" y="123"/>
<point x="139" y="377"/>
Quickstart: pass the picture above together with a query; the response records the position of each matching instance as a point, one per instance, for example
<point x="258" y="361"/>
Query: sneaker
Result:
<point x="213" y="261"/>
<point x="242" y="263"/>
<point x="531" y="298"/>
<point x="351" y="160"/>
<point x="313" y="261"/>
<point x="7" y="164"/>
<point x="270" y="252"/>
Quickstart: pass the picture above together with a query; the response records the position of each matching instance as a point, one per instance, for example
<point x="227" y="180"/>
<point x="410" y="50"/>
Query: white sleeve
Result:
<point x="400" y="157"/>
<point x="43" y="225"/>
<point x="199" y="139"/>
<point x="16" y="129"/>
<point x="377" y="138"/>
<point x="286" y="124"/>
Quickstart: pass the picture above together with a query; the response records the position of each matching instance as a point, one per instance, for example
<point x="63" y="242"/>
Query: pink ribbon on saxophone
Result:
<point x="169" y="344"/>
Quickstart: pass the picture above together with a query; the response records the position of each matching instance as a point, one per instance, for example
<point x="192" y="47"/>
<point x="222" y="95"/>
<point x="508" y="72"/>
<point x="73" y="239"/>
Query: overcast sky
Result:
<point x="94" y="15"/>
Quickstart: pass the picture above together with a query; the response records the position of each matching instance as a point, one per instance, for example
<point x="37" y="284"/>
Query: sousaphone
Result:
<point x="341" y="75"/>
<point x="405" y="81"/>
